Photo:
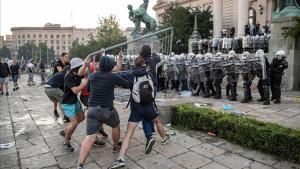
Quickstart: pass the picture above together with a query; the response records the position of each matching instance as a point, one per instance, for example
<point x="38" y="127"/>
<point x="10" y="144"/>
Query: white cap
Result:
<point x="76" y="62"/>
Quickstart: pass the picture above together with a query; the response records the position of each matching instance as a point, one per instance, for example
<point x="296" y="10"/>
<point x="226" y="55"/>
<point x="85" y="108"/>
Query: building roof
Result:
<point x="41" y="28"/>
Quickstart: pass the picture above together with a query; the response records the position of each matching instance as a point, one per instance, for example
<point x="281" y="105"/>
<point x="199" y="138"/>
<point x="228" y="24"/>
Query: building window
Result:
<point x="57" y="47"/>
<point x="69" y="36"/>
<point x="57" y="36"/>
<point x="19" y="36"/>
<point x="28" y="35"/>
<point x="46" y="36"/>
<point x="63" y="36"/>
<point x="64" y="48"/>
<point x="40" y="36"/>
<point x="52" y="47"/>
<point x="51" y="36"/>
<point x="64" y="42"/>
<point x="52" y="41"/>
<point x="57" y="41"/>
<point x="34" y="36"/>
<point x="23" y="36"/>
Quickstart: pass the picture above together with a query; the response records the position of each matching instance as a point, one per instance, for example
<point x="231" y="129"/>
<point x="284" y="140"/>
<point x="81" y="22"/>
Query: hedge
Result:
<point x="267" y="137"/>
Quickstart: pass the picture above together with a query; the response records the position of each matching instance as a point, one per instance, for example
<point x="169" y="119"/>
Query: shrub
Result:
<point x="267" y="137"/>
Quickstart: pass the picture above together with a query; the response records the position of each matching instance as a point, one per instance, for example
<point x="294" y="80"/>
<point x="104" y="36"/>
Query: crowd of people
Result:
<point x="94" y="80"/>
<point x="84" y="89"/>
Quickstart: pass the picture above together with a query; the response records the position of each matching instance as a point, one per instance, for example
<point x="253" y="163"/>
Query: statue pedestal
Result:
<point x="135" y="47"/>
<point x="291" y="45"/>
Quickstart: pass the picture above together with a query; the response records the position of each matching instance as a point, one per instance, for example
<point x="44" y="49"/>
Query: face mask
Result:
<point x="279" y="57"/>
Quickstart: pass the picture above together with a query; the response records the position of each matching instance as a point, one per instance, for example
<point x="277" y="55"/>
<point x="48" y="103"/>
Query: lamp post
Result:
<point x="195" y="37"/>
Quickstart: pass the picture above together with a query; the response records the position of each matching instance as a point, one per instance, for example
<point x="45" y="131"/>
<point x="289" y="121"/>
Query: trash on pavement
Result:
<point x="186" y="93"/>
<point x="7" y="145"/>
<point x="227" y="107"/>
<point x="211" y="134"/>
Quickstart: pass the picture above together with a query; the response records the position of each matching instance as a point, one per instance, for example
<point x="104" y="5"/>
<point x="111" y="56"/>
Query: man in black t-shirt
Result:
<point x="15" y="72"/>
<point x="61" y="63"/>
<point x="42" y="68"/>
<point x="4" y="72"/>
<point x="70" y="104"/>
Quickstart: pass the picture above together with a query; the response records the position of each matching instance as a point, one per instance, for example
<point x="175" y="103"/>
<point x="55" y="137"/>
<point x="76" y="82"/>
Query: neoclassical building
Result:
<point x="53" y="35"/>
<point x="227" y="13"/>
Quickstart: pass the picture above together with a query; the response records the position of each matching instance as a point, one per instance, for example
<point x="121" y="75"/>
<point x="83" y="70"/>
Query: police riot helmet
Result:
<point x="259" y="54"/>
<point x="245" y="55"/>
<point x="231" y="54"/>
<point x="280" y="54"/>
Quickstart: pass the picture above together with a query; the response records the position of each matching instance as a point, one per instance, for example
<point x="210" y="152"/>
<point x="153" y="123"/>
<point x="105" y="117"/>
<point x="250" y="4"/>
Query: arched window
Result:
<point x="252" y="16"/>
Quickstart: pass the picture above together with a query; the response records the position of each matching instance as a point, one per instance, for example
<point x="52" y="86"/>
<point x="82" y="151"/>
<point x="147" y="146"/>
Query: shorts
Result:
<point x="15" y="78"/>
<point x="96" y="116"/>
<point x="72" y="110"/>
<point x="54" y="94"/>
<point x="142" y="112"/>
<point x="4" y="80"/>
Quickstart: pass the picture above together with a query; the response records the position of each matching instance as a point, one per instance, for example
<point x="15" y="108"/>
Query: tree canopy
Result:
<point x="182" y="20"/>
<point x="109" y="33"/>
<point x="31" y="51"/>
<point x="5" y="52"/>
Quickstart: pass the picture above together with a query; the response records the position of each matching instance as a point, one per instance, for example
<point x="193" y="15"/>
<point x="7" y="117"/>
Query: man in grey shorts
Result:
<point x="101" y="109"/>
<point x="54" y="90"/>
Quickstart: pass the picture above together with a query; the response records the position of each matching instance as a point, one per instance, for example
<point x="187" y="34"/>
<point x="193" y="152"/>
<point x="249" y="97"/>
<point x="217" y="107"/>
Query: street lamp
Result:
<point x="195" y="34"/>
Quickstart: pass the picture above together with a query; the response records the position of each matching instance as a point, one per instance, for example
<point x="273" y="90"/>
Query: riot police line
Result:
<point x="204" y="74"/>
<point x="224" y="45"/>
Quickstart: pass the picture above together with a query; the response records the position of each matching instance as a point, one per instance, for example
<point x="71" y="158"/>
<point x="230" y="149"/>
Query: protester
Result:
<point x="4" y="72"/>
<point x="61" y="63"/>
<point x="30" y="70"/>
<point x="101" y="107"/>
<point x="42" y="69"/>
<point x="54" y="89"/>
<point x="144" y="110"/>
<point x="70" y="104"/>
<point x="15" y="72"/>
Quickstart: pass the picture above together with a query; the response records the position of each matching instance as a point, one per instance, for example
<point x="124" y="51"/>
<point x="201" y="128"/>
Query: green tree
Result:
<point x="182" y="20"/>
<point x="293" y="31"/>
<point x="109" y="33"/>
<point x="5" y="52"/>
<point x="44" y="53"/>
<point x="27" y="51"/>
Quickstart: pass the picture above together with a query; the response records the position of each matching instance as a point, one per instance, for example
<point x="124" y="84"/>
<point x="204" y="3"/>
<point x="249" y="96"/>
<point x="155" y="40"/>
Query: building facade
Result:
<point x="58" y="38"/>
<point x="227" y="13"/>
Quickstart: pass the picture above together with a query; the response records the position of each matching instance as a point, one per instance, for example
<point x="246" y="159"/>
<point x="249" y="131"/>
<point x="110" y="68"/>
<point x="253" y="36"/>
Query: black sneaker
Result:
<point x="277" y="101"/>
<point x="14" y="89"/>
<point x="116" y="149"/>
<point x="165" y="140"/>
<point x="1" y="93"/>
<point x="17" y="88"/>
<point x="68" y="147"/>
<point x="117" y="164"/>
<point x="6" y="94"/>
<point x="149" y="145"/>
<point x="261" y="100"/>
<point x="99" y="142"/>
<point x="66" y="119"/>
<point x="102" y="132"/>
<point x="56" y="114"/>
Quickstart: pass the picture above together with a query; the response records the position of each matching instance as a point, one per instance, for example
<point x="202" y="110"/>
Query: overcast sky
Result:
<point x="81" y="13"/>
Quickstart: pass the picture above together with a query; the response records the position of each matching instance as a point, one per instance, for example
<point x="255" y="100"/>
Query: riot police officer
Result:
<point x="217" y="74"/>
<point x="209" y="89"/>
<point x="248" y="75"/>
<point x="264" y="77"/>
<point x="232" y="71"/>
<point x="278" y="65"/>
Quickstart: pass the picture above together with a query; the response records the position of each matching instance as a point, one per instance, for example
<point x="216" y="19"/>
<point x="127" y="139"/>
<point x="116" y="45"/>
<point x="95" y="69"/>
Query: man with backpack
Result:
<point x="142" y="107"/>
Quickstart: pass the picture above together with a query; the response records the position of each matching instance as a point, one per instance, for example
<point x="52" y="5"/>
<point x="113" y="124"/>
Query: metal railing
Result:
<point x="163" y="38"/>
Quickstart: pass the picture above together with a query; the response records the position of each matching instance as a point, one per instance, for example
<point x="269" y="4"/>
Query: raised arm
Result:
<point x="118" y="67"/>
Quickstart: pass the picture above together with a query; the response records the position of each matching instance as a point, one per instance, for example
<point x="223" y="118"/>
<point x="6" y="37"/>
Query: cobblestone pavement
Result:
<point x="26" y="119"/>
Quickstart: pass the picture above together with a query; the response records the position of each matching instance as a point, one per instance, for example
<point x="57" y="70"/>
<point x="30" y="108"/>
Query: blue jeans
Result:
<point x="148" y="126"/>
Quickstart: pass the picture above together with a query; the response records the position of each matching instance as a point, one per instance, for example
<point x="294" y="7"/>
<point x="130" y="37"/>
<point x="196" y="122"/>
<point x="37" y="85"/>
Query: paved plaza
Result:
<point x="26" y="119"/>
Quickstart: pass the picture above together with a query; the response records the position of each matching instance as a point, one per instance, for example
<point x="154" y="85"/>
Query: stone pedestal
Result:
<point x="191" y="40"/>
<point x="135" y="47"/>
<point x="291" y="45"/>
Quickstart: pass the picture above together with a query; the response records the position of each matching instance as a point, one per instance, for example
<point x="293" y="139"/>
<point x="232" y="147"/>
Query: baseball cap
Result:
<point x="76" y="62"/>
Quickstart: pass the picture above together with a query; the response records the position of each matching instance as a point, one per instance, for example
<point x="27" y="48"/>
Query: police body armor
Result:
<point x="216" y="71"/>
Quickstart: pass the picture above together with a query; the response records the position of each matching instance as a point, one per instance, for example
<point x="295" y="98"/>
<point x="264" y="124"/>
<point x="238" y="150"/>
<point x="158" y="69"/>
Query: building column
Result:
<point x="243" y="16"/>
<point x="217" y="15"/>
